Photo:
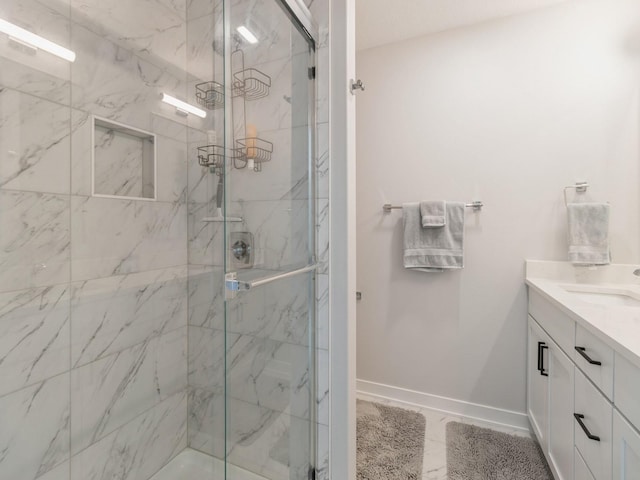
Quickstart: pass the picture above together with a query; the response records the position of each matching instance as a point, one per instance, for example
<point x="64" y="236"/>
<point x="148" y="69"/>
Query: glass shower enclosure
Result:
<point x="157" y="240"/>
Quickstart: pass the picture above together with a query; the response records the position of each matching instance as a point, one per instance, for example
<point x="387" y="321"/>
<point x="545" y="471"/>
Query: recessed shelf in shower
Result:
<point x="210" y="95"/>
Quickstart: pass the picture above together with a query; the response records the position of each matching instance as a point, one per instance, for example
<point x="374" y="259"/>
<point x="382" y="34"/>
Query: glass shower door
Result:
<point x="269" y="243"/>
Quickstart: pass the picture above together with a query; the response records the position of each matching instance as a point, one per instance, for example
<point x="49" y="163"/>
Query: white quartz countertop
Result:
<point x="618" y="326"/>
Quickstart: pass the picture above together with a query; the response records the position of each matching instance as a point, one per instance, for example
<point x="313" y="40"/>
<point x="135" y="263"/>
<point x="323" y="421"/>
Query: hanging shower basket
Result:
<point x="211" y="156"/>
<point x="210" y="95"/>
<point x="255" y="149"/>
<point x="251" y="84"/>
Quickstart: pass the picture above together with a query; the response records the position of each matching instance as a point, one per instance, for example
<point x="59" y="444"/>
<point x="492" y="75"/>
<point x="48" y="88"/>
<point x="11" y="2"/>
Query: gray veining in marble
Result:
<point x="34" y="437"/>
<point x="140" y="448"/>
<point x="114" y="237"/>
<point x="34" y="143"/>
<point x="152" y="28"/>
<point x="34" y="336"/>
<point x="34" y="247"/>
<point x="114" y="313"/>
<point x="110" y="392"/>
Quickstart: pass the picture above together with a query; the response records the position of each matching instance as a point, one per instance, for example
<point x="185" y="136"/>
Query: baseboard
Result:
<point x="472" y="411"/>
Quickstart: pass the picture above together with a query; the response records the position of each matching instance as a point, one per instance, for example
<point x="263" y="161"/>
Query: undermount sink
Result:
<point x="607" y="296"/>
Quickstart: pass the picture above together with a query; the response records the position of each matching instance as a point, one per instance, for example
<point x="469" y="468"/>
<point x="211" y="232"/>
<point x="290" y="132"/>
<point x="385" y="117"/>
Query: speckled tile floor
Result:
<point x="434" y="465"/>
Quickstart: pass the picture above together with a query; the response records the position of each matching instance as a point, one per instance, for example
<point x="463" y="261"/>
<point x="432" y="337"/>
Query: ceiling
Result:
<point x="379" y="22"/>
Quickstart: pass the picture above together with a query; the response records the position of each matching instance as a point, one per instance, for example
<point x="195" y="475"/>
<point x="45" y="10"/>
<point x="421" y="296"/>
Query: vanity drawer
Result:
<point x="595" y="417"/>
<point x="558" y="325"/>
<point x="627" y="389"/>
<point x="591" y="351"/>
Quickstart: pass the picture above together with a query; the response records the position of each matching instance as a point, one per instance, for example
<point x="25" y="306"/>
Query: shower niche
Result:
<point x="123" y="163"/>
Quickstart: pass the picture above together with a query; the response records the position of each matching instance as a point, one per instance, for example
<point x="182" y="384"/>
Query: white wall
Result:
<point x="507" y="112"/>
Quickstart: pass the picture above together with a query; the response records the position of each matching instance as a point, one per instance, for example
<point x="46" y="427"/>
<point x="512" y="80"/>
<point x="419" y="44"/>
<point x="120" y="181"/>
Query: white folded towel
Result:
<point x="433" y="249"/>
<point x="588" y="233"/>
<point x="433" y="214"/>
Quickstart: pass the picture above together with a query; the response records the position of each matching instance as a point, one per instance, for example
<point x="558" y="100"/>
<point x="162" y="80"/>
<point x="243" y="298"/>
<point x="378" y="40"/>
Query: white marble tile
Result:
<point x="39" y="73"/>
<point x="34" y="437"/>
<point x="434" y="460"/>
<point x="273" y="112"/>
<point x="322" y="389"/>
<point x="206" y="297"/>
<point x="172" y="169"/>
<point x="206" y="358"/>
<point x="206" y="239"/>
<point x="322" y="452"/>
<point x="322" y="311"/>
<point x="253" y="432"/>
<point x="280" y="230"/>
<point x="192" y="464"/>
<point x="322" y="234"/>
<point x="206" y="420"/>
<point x="33" y="81"/>
<point x="322" y="85"/>
<point x="277" y="311"/>
<point x="203" y="62"/>
<point x="34" y="247"/>
<point x="322" y="162"/>
<point x="271" y="444"/>
<point x="34" y="336"/>
<point x="115" y="237"/>
<point x="110" y="392"/>
<point x="112" y="82"/>
<point x="155" y="29"/>
<point x="114" y="313"/>
<point x="138" y="449"/>
<point x="61" y="472"/>
<point x="320" y="11"/>
<point x="199" y="8"/>
<point x="34" y="143"/>
<point x="268" y="373"/>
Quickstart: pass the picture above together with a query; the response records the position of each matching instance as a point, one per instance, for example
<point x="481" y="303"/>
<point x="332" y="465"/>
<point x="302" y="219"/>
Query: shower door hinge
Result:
<point x="312" y="73"/>
<point x="231" y="285"/>
<point x="312" y="473"/>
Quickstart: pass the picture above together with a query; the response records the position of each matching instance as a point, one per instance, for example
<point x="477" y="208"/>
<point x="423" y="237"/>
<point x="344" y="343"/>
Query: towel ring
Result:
<point x="580" y="187"/>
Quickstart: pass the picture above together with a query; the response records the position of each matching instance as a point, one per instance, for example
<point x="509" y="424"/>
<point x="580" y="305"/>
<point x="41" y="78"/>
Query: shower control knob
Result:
<point x="356" y="85"/>
<point x="240" y="249"/>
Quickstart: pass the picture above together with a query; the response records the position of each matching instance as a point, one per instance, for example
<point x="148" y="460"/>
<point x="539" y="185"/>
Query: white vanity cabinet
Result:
<point x="583" y="398"/>
<point x="538" y="383"/>
<point x="550" y="400"/>
<point x="561" y="421"/>
<point x="585" y="409"/>
<point x="626" y="450"/>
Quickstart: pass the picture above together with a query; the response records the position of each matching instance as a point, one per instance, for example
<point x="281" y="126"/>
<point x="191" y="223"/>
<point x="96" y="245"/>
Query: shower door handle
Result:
<point x="234" y="285"/>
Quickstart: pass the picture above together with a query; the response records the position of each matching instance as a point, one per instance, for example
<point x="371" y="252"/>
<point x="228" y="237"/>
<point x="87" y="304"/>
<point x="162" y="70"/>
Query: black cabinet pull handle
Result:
<point x="540" y="356"/>
<point x="583" y="351"/>
<point x="586" y="431"/>
<point x="543" y="347"/>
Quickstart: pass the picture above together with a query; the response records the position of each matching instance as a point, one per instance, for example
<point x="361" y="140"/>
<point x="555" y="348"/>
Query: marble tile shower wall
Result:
<point x="112" y="311"/>
<point x="93" y="291"/>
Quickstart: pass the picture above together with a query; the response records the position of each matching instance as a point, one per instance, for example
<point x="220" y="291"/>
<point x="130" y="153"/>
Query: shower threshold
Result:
<point x="193" y="465"/>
